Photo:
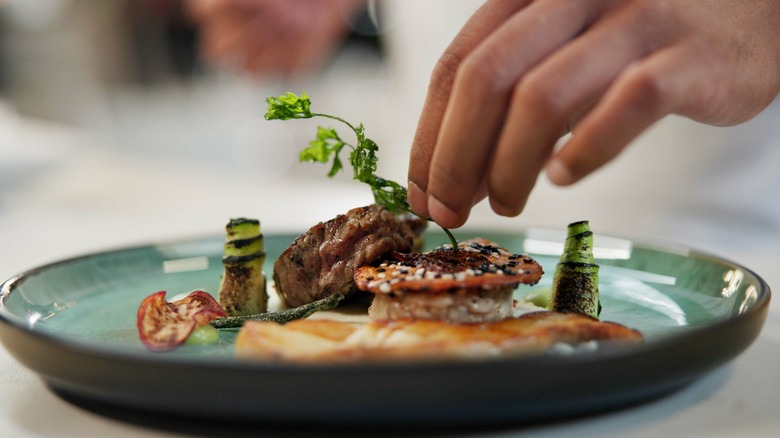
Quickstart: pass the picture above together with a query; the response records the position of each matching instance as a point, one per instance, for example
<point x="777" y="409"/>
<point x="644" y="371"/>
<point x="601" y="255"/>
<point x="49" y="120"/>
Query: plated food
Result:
<point x="473" y="283"/>
<point x="323" y="260"/>
<point x="450" y="302"/>
<point x="73" y="323"/>
<point x="457" y="300"/>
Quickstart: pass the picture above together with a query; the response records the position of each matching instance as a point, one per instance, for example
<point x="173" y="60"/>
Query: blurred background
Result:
<point x="115" y="129"/>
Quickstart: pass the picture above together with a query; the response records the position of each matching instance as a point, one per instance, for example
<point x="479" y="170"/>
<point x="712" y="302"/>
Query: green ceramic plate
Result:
<point x="73" y="322"/>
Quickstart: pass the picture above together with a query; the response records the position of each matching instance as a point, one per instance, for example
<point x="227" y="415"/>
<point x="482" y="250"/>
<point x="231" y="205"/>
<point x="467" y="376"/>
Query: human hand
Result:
<point x="271" y="36"/>
<point x="520" y="73"/>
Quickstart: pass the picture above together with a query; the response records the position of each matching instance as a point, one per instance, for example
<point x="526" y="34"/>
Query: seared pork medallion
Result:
<point x="473" y="284"/>
<point x="323" y="260"/>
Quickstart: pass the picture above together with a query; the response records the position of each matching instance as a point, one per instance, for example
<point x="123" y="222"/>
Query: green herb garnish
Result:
<point x="281" y="317"/>
<point x="328" y="145"/>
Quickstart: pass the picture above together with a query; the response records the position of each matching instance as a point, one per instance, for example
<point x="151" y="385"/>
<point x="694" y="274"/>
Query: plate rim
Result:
<point x="741" y="329"/>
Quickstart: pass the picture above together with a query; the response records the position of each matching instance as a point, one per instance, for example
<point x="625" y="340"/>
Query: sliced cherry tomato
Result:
<point x="164" y="325"/>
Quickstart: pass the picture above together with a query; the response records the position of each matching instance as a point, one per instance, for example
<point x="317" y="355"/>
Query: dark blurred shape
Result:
<point x="165" y="41"/>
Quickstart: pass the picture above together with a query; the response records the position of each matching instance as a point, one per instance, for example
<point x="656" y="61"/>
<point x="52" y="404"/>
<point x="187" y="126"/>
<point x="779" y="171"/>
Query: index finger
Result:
<point x="477" y="28"/>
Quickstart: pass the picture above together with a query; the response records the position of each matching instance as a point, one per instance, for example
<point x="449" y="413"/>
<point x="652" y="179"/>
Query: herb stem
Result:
<point x="453" y="241"/>
<point x="328" y="116"/>
<point x="328" y="144"/>
<point x="281" y="317"/>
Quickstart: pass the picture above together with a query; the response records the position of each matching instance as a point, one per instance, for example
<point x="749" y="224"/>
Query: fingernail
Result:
<point x="441" y="214"/>
<point x="558" y="173"/>
<point x="417" y="199"/>
<point x="502" y="210"/>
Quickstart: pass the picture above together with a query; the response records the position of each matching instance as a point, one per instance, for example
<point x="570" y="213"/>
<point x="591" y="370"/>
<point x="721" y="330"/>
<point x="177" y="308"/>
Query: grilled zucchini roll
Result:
<point x="575" y="285"/>
<point x="243" y="290"/>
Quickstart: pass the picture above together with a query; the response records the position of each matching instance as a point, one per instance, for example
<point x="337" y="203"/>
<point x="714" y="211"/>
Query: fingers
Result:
<point x="228" y="28"/>
<point x="506" y="90"/>
<point x="557" y="91"/>
<point x="482" y="23"/>
<point x="476" y="109"/>
<point x="644" y="93"/>
<point x="262" y="36"/>
<point x="297" y="36"/>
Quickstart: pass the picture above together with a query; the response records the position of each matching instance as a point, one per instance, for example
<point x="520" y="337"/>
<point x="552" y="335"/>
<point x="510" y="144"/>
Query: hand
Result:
<point x="272" y="36"/>
<point x="520" y="73"/>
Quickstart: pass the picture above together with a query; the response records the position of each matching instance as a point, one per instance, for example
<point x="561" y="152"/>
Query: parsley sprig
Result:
<point x="328" y="146"/>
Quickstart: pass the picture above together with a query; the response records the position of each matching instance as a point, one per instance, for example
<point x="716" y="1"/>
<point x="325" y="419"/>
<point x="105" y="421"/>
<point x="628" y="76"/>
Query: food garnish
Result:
<point x="164" y="325"/>
<point x="328" y="145"/>
<point x="309" y="341"/>
<point x="195" y="319"/>
<point x="242" y="290"/>
<point x="576" y="278"/>
<point x="283" y="316"/>
<point x="474" y="284"/>
<point x="454" y="301"/>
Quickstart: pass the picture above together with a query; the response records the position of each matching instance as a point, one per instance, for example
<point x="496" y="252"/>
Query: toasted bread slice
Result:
<point x="478" y="263"/>
<point x="473" y="284"/>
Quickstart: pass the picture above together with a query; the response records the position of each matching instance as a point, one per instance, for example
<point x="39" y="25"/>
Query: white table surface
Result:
<point x="63" y="195"/>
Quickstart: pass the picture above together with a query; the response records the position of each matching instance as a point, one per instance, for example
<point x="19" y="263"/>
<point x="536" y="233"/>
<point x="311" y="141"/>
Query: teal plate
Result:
<point x="73" y="323"/>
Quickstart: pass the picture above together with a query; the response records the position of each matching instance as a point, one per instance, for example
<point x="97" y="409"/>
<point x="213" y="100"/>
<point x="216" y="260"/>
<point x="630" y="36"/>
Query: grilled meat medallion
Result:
<point x="323" y="260"/>
<point x="473" y="284"/>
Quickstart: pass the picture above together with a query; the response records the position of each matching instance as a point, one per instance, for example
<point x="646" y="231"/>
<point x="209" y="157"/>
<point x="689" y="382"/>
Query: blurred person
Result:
<point x="271" y="36"/>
